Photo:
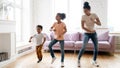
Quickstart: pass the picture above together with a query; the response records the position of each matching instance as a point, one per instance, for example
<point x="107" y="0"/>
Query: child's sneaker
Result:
<point x="62" y="64"/>
<point x="95" y="63"/>
<point x="78" y="63"/>
<point x="53" y="59"/>
<point x="39" y="60"/>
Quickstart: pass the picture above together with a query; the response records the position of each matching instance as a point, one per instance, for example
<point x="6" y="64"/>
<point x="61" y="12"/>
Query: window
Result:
<point x="23" y="20"/>
<point x="18" y="16"/>
<point x="26" y="20"/>
<point x="75" y="15"/>
<point x="7" y="10"/>
<point x="113" y="16"/>
<point x="72" y="10"/>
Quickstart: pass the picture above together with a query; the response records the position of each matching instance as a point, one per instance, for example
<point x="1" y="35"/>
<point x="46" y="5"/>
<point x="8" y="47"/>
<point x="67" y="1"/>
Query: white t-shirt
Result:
<point x="89" y="24"/>
<point x="39" y="38"/>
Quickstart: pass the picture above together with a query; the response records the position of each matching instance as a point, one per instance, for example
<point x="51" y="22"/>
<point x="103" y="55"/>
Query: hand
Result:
<point x="92" y="31"/>
<point x="52" y="30"/>
<point x="30" y="41"/>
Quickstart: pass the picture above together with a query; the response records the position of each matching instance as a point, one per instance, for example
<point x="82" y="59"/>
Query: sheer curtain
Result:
<point x="18" y="19"/>
<point x="72" y="9"/>
<point x="113" y="16"/>
<point x="23" y="20"/>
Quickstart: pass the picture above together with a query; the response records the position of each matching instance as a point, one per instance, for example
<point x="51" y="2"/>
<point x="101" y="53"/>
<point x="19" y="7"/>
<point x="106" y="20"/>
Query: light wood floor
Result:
<point x="105" y="60"/>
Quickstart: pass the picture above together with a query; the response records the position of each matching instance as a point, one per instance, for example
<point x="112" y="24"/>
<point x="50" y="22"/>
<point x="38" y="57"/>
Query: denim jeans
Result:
<point x="93" y="37"/>
<point x="61" y="46"/>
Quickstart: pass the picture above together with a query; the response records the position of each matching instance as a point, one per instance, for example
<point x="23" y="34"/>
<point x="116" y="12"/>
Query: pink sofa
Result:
<point x="74" y="41"/>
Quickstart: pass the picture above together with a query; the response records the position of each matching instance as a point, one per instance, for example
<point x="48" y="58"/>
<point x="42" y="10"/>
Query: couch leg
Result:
<point x="74" y="51"/>
<point x="45" y="51"/>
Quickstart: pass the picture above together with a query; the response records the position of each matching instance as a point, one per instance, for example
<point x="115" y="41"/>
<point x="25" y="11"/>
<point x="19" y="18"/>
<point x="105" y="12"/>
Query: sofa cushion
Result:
<point x="104" y="44"/>
<point x="101" y="44"/>
<point x="103" y="36"/>
<point x="46" y="44"/>
<point x="72" y="36"/>
<point x="69" y="36"/>
<point x="82" y="36"/>
<point x="52" y="35"/>
<point x="47" y="36"/>
<point x="66" y="44"/>
<point x="78" y="43"/>
<point x="69" y="44"/>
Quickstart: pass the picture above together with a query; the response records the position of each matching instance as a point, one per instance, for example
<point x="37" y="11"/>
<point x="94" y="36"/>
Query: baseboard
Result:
<point x="27" y="52"/>
<point x="23" y="50"/>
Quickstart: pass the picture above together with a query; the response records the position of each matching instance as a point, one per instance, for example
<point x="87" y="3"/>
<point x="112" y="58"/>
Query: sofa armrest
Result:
<point x="112" y="43"/>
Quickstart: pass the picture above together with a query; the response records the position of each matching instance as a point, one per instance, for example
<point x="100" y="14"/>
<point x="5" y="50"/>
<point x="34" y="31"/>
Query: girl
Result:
<point x="88" y="21"/>
<point x="59" y="29"/>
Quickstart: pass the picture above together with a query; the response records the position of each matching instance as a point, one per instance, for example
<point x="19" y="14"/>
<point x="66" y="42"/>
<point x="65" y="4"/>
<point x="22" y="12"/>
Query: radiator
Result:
<point x="24" y="50"/>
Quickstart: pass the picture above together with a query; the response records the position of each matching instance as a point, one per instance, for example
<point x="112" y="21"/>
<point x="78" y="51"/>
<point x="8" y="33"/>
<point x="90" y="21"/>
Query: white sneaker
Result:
<point x="53" y="59"/>
<point x="62" y="64"/>
<point x="95" y="63"/>
<point x="78" y="63"/>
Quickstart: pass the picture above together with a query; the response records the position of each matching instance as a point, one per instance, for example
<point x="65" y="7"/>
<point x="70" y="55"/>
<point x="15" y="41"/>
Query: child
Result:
<point x="59" y="29"/>
<point x="88" y="22"/>
<point x="40" y="40"/>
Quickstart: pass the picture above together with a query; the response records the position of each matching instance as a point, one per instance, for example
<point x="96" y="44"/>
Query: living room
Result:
<point x="18" y="21"/>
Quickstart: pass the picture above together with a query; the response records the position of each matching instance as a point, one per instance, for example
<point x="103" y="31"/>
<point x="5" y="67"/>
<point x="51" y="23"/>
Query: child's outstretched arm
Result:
<point x="52" y="28"/>
<point x="44" y="40"/>
<point x="30" y="38"/>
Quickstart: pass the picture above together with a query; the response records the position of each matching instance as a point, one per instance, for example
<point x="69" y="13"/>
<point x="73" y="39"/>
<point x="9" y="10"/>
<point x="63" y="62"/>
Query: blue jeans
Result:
<point x="61" y="46"/>
<point x="93" y="37"/>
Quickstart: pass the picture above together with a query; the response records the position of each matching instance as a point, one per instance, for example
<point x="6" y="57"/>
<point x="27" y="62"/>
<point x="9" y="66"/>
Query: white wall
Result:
<point x="5" y="42"/>
<point x="7" y="37"/>
<point x="27" y="20"/>
<point x="114" y="15"/>
<point x="42" y="14"/>
<point x="7" y="26"/>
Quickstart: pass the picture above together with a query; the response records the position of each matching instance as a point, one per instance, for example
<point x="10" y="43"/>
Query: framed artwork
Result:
<point x="7" y="10"/>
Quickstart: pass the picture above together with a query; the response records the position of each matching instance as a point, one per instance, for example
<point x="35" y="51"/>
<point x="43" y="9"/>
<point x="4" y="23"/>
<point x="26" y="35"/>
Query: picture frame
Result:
<point x="7" y="10"/>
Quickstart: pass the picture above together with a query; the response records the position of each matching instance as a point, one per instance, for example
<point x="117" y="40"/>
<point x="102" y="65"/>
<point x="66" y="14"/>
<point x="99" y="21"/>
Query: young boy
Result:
<point x="40" y="40"/>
